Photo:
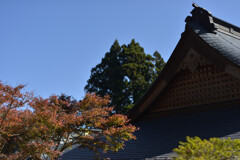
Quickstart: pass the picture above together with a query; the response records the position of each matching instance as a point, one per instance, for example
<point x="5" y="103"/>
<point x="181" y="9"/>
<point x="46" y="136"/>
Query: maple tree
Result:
<point x="34" y="127"/>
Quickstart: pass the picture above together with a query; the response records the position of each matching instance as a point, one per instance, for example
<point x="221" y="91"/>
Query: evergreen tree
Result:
<point x="125" y="73"/>
<point x="159" y="63"/>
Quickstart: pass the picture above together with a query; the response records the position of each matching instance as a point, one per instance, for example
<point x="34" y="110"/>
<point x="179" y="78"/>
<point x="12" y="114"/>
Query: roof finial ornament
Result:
<point x="195" y="5"/>
<point x="201" y="16"/>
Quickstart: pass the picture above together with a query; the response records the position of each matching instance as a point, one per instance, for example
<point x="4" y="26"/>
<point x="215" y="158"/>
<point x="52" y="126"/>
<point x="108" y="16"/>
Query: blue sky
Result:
<point x="51" y="45"/>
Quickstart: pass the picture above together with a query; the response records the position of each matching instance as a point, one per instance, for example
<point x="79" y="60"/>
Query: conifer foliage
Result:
<point x="125" y="73"/>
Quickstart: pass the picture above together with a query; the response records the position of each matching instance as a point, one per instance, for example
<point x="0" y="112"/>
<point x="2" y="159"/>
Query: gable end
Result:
<point x="197" y="82"/>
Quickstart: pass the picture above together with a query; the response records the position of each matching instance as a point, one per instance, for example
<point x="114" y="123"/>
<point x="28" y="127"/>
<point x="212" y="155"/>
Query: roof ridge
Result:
<point x="211" y="23"/>
<point x="226" y="27"/>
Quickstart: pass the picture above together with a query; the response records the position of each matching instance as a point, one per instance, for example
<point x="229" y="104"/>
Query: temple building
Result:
<point x="196" y="94"/>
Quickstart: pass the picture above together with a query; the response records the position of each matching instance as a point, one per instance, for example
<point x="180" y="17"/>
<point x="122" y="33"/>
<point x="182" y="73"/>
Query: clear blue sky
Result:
<point x="51" y="45"/>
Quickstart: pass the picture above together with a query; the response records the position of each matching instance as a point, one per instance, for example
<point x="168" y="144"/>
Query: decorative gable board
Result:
<point x="197" y="82"/>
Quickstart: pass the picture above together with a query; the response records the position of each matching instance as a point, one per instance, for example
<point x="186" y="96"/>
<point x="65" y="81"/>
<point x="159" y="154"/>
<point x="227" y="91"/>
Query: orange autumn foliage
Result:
<point x="34" y="127"/>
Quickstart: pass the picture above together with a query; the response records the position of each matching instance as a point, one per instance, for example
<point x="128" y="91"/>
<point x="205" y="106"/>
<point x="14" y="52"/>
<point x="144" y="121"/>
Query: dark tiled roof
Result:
<point x="220" y="35"/>
<point x="159" y="135"/>
<point x="80" y="154"/>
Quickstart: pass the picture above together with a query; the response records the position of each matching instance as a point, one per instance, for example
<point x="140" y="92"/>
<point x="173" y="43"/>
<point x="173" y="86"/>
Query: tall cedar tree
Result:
<point x="125" y="73"/>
